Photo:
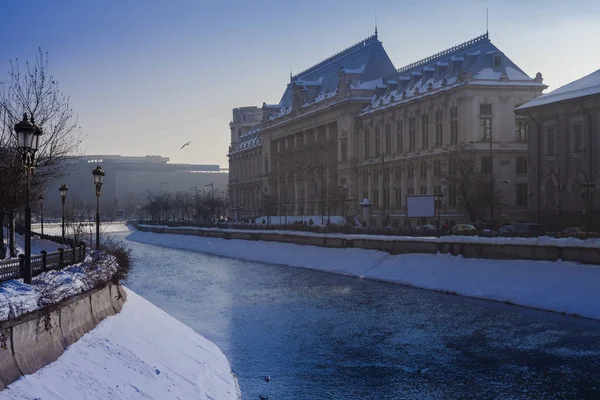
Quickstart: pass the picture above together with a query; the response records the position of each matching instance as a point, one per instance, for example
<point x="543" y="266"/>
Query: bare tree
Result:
<point x="33" y="90"/>
<point x="471" y="185"/>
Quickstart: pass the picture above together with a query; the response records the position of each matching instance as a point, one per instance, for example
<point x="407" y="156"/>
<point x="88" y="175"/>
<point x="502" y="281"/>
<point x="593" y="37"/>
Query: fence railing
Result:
<point x="347" y="229"/>
<point x="13" y="268"/>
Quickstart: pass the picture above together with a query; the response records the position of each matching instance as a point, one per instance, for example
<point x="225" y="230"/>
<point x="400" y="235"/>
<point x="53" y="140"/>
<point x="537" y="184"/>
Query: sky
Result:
<point x="146" y="76"/>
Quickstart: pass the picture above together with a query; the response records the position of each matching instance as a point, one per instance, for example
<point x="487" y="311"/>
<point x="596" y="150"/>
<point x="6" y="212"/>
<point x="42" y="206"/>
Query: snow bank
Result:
<point x="105" y="227"/>
<point x="37" y="244"/>
<point x="141" y="352"/>
<point x="292" y="219"/>
<point x="18" y="298"/>
<point x="535" y="241"/>
<point x="556" y="286"/>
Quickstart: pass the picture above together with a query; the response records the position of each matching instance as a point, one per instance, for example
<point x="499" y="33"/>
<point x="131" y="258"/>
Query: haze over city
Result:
<point x="146" y="77"/>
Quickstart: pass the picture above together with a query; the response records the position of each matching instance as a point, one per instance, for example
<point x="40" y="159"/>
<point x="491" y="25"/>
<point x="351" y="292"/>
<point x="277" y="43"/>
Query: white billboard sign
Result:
<point x="420" y="206"/>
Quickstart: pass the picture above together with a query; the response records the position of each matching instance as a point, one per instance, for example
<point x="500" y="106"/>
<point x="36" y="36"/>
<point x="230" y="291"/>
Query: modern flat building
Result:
<point x="564" y="143"/>
<point x="353" y="127"/>
<point x="127" y="180"/>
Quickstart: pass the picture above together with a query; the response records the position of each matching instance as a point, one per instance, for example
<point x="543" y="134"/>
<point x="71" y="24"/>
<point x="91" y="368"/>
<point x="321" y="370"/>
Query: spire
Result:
<point x="375" y="25"/>
<point x="486" y="22"/>
<point x="290" y="72"/>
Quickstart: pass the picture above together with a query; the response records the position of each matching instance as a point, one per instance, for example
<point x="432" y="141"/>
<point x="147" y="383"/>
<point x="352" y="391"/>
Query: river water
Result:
<point x="325" y="336"/>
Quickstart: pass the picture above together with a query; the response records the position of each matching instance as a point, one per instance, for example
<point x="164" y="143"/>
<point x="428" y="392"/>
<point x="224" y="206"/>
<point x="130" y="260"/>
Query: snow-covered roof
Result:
<point x="475" y="62"/>
<point x="589" y="85"/>
<point x="248" y="140"/>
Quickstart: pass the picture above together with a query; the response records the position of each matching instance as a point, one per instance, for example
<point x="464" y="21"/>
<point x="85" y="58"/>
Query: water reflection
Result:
<point x="324" y="336"/>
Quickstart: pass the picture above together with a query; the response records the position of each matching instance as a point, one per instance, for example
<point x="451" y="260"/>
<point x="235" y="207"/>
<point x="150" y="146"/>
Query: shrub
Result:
<point x="263" y="221"/>
<point x="122" y="254"/>
<point x="311" y="222"/>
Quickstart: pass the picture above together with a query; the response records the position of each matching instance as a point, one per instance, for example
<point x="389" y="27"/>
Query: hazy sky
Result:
<point x="147" y="76"/>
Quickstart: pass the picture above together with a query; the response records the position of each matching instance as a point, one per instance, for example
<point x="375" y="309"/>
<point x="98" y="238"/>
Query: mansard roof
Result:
<point x="366" y="58"/>
<point x="476" y="61"/>
<point x="589" y="85"/>
<point x="249" y="140"/>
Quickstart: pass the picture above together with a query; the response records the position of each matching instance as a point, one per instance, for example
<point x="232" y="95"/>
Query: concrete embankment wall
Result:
<point x="33" y="341"/>
<point x="497" y="251"/>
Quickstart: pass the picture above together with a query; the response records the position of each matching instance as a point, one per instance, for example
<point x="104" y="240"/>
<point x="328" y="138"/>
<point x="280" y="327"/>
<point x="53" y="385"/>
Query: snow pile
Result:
<point x="141" y="352"/>
<point x="17" y="298"/>
<point x="37" y="244"/>
<point x="557" y="286"/>
<point x="531" y="241"/>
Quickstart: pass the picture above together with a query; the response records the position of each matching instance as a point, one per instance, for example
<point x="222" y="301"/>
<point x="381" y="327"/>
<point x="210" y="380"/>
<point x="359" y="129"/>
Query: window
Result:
<point x="410" y="171"/>
<point x="423" y="190"/>
<point x="437" y="190"/>
<point x="399" y="137"/>
<point x="550" y="140"/>
<point x="398" y="198"/>
<point x="485" y="128"/>
<point x="386" y="175"/>
<point x="411" y="191"/>
<point x="497" y="61"/>
<point x="437" y="168"/>
<point x="344" y="150"/>
<point x="521" y="130"/>
<point x="522" y="194"/>
<point x="411" y="134"/>
<point x="375" y="176"/>
<point x="451" y="196"/>
<point x="425" y="131"/>
<point x="486" y="165"/>
<point x="576" y="137"/>
<point x="365" y="194"/>
<point x="423" y="170"/>
<point x="388" y="139"/>
<point x="266" y="165"/>
<point x="386" y="198"/>
<point x="397" y="173"/>
<point x="365" y="176"/>
<point x="438" y="128"/>
<point x="485" y="110"/>
<point x="521" y="165"/>
<point x="376" y="198"/>
<point x="377" y="149"/>
<point x="367" y="154"/>
<point x="454" y="125"/>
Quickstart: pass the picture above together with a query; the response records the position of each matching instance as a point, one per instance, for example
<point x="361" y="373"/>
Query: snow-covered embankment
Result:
<point x="142" y="352"/>
<point x="557" y="286"/>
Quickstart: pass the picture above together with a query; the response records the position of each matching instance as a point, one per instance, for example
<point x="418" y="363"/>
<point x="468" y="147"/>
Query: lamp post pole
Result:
<point x="438" y="205"/>
<point x="98" y="174"/>
<point x="63" y="189"/>
<point x="41" y="199"/>
<point x="28" y="136"/>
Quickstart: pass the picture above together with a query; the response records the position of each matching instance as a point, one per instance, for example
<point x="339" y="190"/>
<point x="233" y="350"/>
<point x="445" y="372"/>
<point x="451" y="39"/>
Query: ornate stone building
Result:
<point x="354" y="127"/>
<point x="563" y="154"/>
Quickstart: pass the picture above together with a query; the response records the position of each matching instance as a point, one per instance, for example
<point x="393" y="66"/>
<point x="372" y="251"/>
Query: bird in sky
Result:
<point x="186" y="144"/>
<point x="164" y="183"/>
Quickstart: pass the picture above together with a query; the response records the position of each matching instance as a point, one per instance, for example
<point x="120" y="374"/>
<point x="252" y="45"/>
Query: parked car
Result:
<point x="578" y="232"/>
<point x="529" y="229"/>
<point x="461" y="229"/>
<point x="426" y="229"/>
<point x="506" y="230"/>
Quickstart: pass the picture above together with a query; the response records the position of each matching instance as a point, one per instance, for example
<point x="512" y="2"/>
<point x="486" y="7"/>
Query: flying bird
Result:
<point x="164" y="183"/>
<point x="186" y="144"/>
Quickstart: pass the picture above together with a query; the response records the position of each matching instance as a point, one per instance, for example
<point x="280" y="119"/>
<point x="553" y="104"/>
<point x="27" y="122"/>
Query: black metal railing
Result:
<point x="13" y="268"/>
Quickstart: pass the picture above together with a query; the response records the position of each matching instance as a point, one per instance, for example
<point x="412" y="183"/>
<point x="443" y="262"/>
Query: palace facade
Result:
<point x="354" y="127"/>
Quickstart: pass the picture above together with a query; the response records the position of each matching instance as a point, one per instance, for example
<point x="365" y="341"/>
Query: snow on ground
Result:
<point x="18" y="298"/>
<point x="556" y="286"/>
<point x="540" y="241"/>
<point x="140" y="353"/>
<point x="37" y="244"/>
<point x="105" y="227"/>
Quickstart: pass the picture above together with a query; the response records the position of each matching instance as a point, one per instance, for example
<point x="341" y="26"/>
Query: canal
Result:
<point x="325" y="336"/>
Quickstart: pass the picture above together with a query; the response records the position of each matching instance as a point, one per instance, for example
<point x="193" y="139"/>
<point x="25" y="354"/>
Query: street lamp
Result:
<point x="41" y="200"/>
<point x="489" y="139"/>
<point x="98" y="174"/>
<point x="588" y="189"/>
<point x="28" y="137"/>
<point x="438" y="204"/>
<point x="63" y="189"/>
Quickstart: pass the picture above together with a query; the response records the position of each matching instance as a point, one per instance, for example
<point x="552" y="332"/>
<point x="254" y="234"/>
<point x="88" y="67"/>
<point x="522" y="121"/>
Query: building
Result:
<point x="127" y="180"/>
<point x="354" y="127"/>
<point x="563" y="153"/>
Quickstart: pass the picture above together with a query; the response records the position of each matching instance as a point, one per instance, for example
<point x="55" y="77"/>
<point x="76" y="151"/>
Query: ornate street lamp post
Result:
<point x="63" y="189"/>
<point x="28" y="136"/>
<point x="438" y="205"/>
<point x="41" y="200"/>
<point x="98" y="181"/>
